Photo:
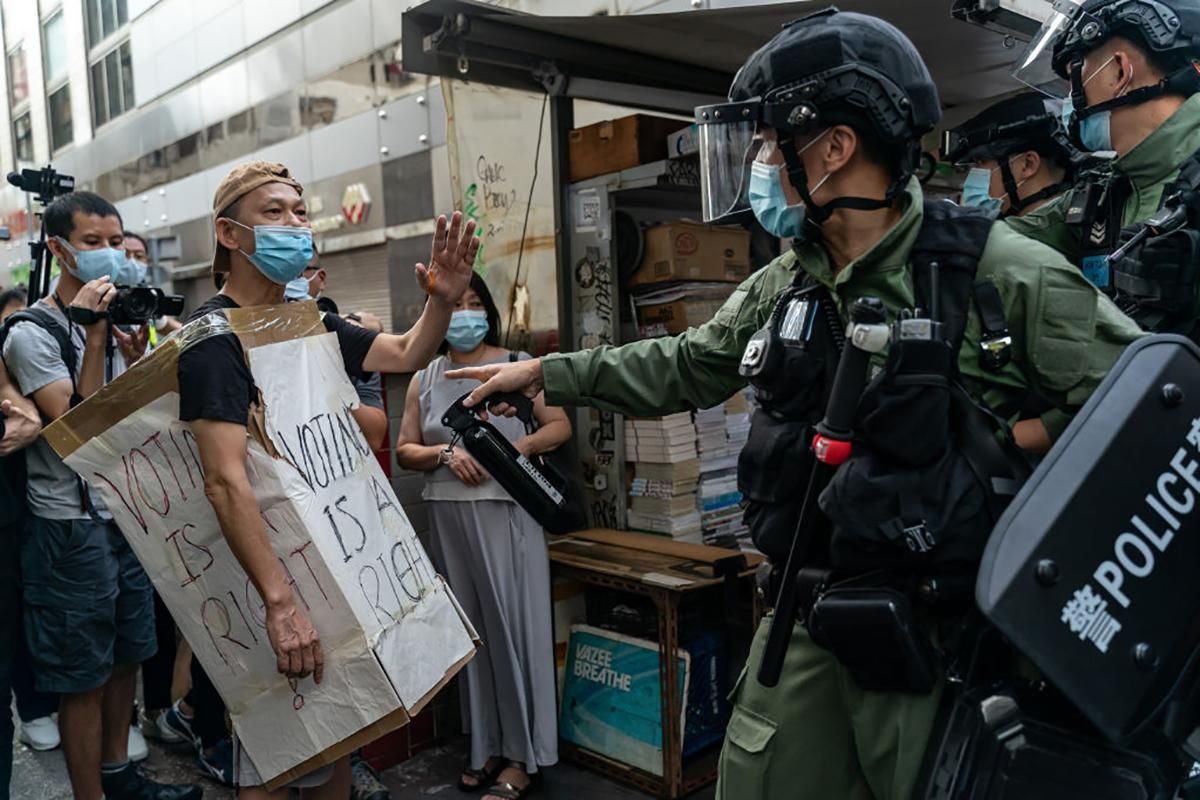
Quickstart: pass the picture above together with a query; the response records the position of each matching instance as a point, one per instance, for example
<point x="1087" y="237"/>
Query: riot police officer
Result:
<point x="1131" y="89"/>
<point x="1018" y="154"/>
<point x="820" y="138"/>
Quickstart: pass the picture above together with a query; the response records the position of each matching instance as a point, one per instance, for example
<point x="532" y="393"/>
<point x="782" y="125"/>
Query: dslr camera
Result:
<point x="135" y="305"/>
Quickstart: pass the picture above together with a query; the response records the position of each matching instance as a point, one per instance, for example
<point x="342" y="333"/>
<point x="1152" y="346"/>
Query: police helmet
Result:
<point x="1028" y="121"/>
<point x="825" y="69"/>
<point x="1169" y="30"/>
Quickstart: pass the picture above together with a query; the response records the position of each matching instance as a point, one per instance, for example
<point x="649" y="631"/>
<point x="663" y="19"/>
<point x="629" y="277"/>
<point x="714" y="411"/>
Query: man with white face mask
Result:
<point x="88" y="607"/>
<point x="1131" y="89"/>
<point x="819" y="139"/>
<point x="1017" y="152"/>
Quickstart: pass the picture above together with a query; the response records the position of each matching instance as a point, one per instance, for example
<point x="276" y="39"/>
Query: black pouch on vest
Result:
<point x="773" y="470"/>
<point x="885" y="515"/>
<point x="872" y="633"/>
<point x="904" y="414"/>
<point x="931" y="468"/>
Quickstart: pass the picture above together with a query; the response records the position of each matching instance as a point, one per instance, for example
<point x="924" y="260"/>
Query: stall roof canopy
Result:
<point x="678" y="60"/>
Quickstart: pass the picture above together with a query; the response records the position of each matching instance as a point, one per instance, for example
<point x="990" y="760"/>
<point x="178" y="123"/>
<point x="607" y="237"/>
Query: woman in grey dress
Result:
<point x="494" y="555"/>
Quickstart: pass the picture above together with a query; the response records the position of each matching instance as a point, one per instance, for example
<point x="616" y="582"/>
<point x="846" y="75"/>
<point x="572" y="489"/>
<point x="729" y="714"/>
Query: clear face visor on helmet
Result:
<point x="729" y="142"/>
<point x="1034" y="67"/>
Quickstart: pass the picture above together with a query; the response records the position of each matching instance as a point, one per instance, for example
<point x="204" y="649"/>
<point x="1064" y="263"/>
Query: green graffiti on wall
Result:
<point x="471" y="212"/>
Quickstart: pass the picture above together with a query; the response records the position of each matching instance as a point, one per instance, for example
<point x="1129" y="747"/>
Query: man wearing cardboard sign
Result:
<point x="263" y="242"/>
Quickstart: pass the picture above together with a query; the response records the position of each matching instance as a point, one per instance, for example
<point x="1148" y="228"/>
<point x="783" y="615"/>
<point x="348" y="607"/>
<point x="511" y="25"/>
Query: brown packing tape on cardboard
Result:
<point x="157" y="373"/>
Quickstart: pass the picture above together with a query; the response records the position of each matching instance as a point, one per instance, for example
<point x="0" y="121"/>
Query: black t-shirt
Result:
<point x="215" y="382"/>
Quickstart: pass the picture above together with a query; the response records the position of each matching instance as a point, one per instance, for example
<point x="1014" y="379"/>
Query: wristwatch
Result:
<point x="444" y="457"/>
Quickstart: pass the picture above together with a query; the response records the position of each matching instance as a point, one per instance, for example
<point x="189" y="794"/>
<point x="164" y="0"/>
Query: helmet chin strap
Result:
<point x="817" y="214"/>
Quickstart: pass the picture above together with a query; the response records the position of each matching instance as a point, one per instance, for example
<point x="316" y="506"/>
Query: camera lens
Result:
<point x="141" y="304"/>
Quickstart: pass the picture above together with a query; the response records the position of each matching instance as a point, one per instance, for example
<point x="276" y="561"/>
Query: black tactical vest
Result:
<point x="928" y="475"/>
<point x="1158" y="294"/>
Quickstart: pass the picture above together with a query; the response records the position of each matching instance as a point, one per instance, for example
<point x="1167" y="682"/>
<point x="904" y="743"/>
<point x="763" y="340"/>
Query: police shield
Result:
<point x="1093" y="570"/>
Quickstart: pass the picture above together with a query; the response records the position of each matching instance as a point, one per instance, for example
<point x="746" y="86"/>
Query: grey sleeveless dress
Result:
<point x="494" y="556"/>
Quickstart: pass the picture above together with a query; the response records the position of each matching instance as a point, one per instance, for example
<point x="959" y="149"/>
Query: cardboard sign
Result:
<point x="391" y="631"/>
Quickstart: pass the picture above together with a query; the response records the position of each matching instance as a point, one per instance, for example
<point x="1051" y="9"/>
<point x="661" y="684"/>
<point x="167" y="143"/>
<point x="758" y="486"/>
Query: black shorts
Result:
<point x="88" y="603"/>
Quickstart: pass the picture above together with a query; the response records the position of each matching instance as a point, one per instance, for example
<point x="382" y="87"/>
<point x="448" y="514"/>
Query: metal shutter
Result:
<point x="357" y="280"/>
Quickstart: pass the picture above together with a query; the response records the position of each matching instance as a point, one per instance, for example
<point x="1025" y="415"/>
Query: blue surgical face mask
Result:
<point x="976" y="190"/>
<point x="92" y="264"/>
<point x="132" y="273"/>
<point x="467" y="329"/>
<point x="769" y="202"/>
<point x="770" y="205"/>
<point x="297" y="288"/>
<point x="281" y="252"/>
<point x="1095" y="132"/>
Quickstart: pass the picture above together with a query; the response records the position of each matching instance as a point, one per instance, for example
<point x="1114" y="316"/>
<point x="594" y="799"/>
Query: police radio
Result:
<point x="534" y="483"/>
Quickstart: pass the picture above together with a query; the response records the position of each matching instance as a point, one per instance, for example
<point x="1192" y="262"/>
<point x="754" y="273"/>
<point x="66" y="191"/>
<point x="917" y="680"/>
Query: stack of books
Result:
<point x="666" y="472"/>
<point x="661" y="440"/>
<point x="722" y="431"/>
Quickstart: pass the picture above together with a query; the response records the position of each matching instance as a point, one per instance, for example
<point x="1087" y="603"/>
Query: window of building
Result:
<point x="18" y="76"/>
<point x="61" y="131"/>
<point x="112" y="85"/>
<point x="54" y="48"/>
<point x="23" y="137"/>
<point x="104" y="18"/>
<point x="58" y="90"/>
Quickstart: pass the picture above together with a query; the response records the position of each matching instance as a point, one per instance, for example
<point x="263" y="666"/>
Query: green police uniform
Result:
<point x="817" y="729"/>
<point x="1150" y="167"/>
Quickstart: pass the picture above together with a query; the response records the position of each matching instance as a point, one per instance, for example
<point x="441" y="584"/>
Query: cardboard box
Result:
<point x="690" y="306"/>
<point x="677" y="317"/>
<point x="617" y="144"/>
<point x="685" y="142"/>
<point x="687" y="251"/>
<point x="391" y="632"/>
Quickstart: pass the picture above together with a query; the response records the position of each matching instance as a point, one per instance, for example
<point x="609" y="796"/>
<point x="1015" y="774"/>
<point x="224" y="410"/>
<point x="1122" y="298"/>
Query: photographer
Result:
<point x="89" y="615"/>
<point x="263" y="242"/>
<point x="139" y="258"/>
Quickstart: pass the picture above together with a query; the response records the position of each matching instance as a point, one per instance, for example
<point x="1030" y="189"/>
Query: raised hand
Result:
<point x="451" y="260"/>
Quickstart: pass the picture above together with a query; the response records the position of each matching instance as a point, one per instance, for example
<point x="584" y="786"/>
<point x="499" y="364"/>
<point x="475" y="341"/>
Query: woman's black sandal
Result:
<point x="484" y="776"/>
<point x="507" y="791"/>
